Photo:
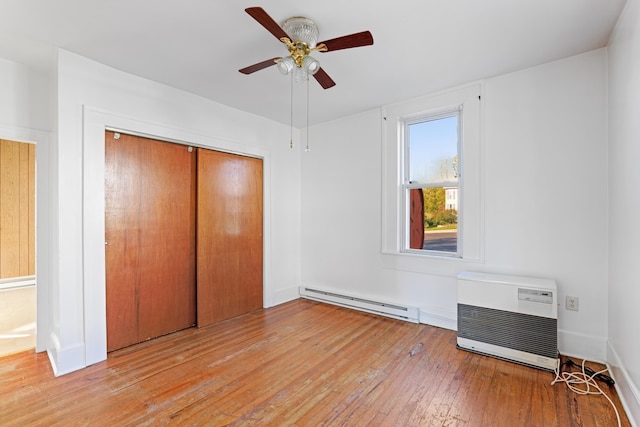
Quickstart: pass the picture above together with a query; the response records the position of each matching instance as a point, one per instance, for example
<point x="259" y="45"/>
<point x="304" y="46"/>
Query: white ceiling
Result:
<point x="420" y="46"/>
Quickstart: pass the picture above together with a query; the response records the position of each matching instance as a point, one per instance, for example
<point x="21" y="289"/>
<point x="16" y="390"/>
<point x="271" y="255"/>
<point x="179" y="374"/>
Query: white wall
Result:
<point x="546" y="187"/>
<point x="92" y="96"/>
<point x="544" y="193"/>
<point x="624" y="205"/>
<point x="26" y="96"/>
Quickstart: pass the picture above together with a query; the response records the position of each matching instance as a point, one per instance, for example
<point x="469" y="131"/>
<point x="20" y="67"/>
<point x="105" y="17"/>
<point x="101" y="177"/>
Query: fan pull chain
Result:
<point x="291" y="117"/>
<point x="307" y="149"/>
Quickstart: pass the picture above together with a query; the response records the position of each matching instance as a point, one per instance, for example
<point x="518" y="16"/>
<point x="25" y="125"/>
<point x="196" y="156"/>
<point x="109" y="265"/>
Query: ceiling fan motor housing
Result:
<point x="302" y="30"/>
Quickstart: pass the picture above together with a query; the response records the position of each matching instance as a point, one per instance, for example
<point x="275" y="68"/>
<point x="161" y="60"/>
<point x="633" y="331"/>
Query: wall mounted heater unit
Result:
<point x="509" y="317"/>
<point x="396" y="311"/>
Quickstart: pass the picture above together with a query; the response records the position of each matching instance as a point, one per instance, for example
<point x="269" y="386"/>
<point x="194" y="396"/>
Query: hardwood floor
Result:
<point x="301" y="363"/>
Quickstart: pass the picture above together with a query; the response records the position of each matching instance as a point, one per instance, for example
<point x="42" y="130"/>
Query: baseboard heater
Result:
<point x="510" y="317"/>
<point x="409" y="314"/>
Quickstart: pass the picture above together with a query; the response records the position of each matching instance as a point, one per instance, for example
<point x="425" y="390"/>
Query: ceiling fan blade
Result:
<point x="363" y="38"/>
<point x="259" y="66"/>
<point x="266" y="21"/>
<point x="323" y="78"/>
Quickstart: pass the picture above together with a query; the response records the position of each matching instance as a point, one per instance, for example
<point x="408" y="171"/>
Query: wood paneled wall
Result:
<point x="17" y="209"/>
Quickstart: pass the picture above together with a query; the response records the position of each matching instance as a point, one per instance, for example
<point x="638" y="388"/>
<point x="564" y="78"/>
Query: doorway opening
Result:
<point x="17" y="247"/>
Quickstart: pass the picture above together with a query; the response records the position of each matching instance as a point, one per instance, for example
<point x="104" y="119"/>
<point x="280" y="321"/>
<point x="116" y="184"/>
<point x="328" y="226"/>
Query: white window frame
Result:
<point x="406" y="185"/>
<point x="470" y="223"/>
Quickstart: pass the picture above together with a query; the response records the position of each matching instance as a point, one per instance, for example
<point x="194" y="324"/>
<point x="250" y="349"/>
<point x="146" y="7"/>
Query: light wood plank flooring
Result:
<point x="301" y="363"/>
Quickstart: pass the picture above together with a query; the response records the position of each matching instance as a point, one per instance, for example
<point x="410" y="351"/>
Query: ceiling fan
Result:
<point x="300" y="35"/>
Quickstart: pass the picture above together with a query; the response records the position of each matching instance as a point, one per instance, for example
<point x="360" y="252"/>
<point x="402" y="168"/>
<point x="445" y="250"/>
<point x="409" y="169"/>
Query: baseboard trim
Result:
<point x="66" y="360"/>
<point x="440" y="317"/>
<point x="627" y="390"/>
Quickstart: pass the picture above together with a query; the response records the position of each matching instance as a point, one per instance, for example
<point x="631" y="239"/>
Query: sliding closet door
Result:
<point x="150" y="238"/>
<point x="229" y="237"/>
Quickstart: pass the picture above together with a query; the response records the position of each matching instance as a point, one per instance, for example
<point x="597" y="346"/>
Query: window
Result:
<point x="431" y="164"/>
<point x="430" y="183"/>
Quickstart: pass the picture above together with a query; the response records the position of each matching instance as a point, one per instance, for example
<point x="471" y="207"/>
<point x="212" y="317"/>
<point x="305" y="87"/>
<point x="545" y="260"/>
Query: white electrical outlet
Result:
<point x="572" y="303"/>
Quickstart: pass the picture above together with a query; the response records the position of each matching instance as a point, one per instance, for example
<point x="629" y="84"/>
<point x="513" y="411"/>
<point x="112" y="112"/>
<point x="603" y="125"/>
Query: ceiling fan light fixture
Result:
<point x="286" y="64"/>
<point x="300" y="74"/>
<point x="302" y="30"/>
<point x="310" y="65"/>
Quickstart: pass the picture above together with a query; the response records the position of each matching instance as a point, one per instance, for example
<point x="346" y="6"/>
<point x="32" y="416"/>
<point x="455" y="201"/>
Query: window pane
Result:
<point x="432" y="184"/>
<point x="433" y="219"/>
<point x="441" y="219"/>
<point x="433" y="151"/>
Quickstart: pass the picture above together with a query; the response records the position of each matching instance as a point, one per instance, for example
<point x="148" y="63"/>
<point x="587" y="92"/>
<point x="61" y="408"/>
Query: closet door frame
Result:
<point x="95" y="123"/>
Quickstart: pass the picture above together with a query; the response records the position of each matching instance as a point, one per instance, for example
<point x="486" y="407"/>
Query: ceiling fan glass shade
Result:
<point x="300" y="74"/>
<point x="302" y="30"/>
<point x="286" y="64"/>
<point x="310" y="65"/>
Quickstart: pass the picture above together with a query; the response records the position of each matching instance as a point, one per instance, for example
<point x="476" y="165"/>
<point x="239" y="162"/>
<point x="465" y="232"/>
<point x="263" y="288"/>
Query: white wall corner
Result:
<point x="440" y="317"/>
<point x="627" y="391"/>
<point x="582" y="346"/>
<point x="281" y="296"/>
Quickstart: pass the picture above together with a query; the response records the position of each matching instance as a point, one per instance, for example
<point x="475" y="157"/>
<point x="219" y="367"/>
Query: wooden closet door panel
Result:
<point x="150" y="230"/>
<point x="167" y="289"/>
<point x="229" y="236"/>
<point x="122" y="223"/>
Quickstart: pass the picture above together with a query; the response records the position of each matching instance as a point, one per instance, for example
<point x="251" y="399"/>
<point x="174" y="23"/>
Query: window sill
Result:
<point x="430" y="254"/>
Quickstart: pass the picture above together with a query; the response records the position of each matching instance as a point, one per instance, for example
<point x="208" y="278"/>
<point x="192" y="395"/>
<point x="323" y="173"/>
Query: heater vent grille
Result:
<point x="517" y="331"/>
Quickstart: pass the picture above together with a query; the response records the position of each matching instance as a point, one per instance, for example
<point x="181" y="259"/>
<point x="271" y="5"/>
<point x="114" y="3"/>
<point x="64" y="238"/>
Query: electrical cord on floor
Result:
<point x="584" y="381"/>
<point x="597" y="375"/>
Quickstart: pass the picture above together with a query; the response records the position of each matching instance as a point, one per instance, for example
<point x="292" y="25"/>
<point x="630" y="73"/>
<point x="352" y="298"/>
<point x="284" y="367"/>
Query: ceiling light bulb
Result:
<point x="310" y="64"/>
<point x="285" y="65"/>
